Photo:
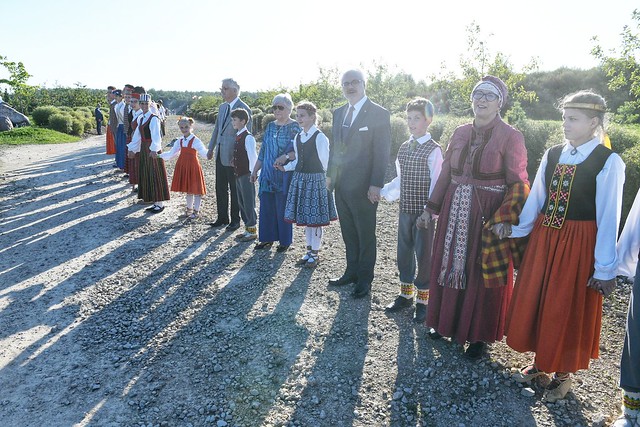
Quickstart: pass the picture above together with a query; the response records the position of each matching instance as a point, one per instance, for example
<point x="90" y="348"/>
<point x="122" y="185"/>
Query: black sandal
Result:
<point x="263" y="245"/>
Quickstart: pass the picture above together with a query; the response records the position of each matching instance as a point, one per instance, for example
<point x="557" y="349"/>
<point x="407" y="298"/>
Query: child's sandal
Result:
<point x="187" y="213"/>
<point x="313" y="260"/>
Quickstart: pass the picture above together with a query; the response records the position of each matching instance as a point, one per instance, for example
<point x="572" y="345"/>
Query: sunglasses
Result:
<point x="277" y="107"/>
<point x="354" y="82"/>
<point x="490" y="97"/>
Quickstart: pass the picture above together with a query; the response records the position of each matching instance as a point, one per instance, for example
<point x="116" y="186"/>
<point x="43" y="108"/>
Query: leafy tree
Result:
<point x="623" y="70"/>
<point x="17" y="82"/>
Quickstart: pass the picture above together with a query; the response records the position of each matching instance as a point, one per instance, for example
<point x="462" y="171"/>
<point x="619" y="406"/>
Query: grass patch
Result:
<point x="34" y="135"/>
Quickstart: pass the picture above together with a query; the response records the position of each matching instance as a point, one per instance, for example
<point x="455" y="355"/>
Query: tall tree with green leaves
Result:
<point x="20" y="93"/>
<point x="622" y="68"/>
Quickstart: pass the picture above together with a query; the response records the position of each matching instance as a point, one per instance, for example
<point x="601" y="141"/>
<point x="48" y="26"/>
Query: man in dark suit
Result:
<point x="357" y="164"/>
<point x="99" y="118"/>
<point x="224" y="138"/>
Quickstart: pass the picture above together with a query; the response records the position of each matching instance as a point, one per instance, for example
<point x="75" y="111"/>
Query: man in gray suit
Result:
<point x="357" y="164"/>
<point x="224" y="138"/>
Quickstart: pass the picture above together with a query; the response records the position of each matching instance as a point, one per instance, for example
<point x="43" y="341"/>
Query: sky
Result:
<point x="193" y="44"/>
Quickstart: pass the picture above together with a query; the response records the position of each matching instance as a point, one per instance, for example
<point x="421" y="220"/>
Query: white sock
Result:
<point x="197" y="202"/>
<point x="189" y="201"/>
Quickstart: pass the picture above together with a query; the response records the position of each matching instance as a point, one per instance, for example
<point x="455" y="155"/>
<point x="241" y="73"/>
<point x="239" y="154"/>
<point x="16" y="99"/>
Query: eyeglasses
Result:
<point x="277" y="107"/>
<point x="489" y="96"/>
<point x="143" y="102"/>
<point x="223" y="88"/>
<point x="354" y="82"/>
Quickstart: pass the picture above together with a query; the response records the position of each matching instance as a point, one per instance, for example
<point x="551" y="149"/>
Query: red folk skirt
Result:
<point x="111" y="142"/>
<point x="187" y="175"/>
<point x="552" y="312"/>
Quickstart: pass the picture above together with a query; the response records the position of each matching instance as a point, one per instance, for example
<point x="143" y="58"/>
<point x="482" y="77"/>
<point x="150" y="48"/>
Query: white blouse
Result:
<point x="609" y="184"/>
<point x="391" y="190"/>
<point x="629" y="242"/>
<point x="154" y="128"/>
<point x="184" y="142"/>
<point x="322" y="147"/>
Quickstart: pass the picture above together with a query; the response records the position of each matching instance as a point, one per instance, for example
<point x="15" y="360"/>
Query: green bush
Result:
<point x="41" y="114"/>
<point x="623" y="137"/>
<point x="327" y="129"/>
<point x="65" y="109"/>
<point x="77" y="127"/>
<point x="399" y="134"/>
<point x="88" y="126"/>
<point x="61" y="122"/>
<point x="268" y="118"/>
<point x="256" y="120"/>
<point x="442" y="128"/>
<point x="325" y="116"/>
<point x="538" y="136"/>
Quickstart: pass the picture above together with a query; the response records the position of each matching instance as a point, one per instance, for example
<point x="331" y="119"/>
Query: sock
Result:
<point x="189" y="201"/>
<point x="406" y="290"/>
<point x="631" y="403"/>
<point x="422" y="296"/>
<point x="251" y="230"/>
<point x="197" y="201"/>
<point x="316" y="237"/>
<point x="159" y="204"/>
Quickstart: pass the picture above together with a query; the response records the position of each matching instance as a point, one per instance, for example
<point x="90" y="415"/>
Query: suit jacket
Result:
<point x="359" y="158"/>
<point x="224" y="135"/>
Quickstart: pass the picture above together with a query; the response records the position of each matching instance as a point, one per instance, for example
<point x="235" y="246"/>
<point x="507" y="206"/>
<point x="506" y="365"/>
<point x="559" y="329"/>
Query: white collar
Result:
<point x="424" y="138"/>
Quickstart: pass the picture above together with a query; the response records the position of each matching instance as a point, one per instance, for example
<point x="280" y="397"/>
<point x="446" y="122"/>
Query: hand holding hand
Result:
<point x="374" y="194"/>
<point x="501" y="230"/>
<point x="605" y="287"/>
<point x="209" y="154"/>
<point x="423" y="220"/>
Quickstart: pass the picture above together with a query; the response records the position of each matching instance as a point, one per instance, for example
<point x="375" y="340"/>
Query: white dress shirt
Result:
<point x="250" y="147"/>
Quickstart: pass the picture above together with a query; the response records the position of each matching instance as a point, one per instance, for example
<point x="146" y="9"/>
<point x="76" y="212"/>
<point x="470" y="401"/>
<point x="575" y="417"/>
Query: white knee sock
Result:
<point x="314" y="237"/>
<point x="197" y="202"/>
<point x="189" y="201"/>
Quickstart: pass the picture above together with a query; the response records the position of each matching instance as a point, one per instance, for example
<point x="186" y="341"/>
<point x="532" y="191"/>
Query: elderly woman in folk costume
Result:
<point x="152" y="175"/>
<point x="483" y="182"/>
<point x="572" y="216"/>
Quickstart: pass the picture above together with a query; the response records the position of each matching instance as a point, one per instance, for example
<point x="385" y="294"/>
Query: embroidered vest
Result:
<point x="308" y="160"/>
<point x="240" y="156"/>
<point x="415" y="178"/>
<point x="571" y="191"/>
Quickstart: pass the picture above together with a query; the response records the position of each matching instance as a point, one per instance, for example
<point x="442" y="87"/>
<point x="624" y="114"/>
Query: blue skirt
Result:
<point x="308" y="201"/>
<point x="121" y="147"/>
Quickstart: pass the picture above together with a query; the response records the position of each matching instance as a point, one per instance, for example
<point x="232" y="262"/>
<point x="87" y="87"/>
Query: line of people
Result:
<point x="560" y="234"/>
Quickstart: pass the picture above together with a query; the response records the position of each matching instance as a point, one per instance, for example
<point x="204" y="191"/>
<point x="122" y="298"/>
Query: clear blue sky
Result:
<point x="193" y="44"/>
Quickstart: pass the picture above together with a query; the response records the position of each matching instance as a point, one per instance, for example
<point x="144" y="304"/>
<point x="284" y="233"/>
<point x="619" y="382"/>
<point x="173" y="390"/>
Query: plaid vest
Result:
<point x="415" y="178"/>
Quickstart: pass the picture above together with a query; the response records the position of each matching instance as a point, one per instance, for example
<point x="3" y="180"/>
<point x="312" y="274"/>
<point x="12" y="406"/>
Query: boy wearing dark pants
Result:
<point x="418" y="165"/>
<point x="244" y="160"/>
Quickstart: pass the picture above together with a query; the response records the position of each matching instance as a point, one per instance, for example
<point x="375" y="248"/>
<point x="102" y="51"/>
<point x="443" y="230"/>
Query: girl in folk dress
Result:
<point x="572" y="215"/>
<point x="153" y="185"/>
<point x="133" y="162"/>
<point x="187" y="175"/>
<point x="308" y="201"/>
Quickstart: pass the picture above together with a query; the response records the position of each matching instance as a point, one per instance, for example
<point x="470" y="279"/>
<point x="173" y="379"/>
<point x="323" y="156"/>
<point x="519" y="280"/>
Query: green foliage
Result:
<point x="256" y="124"/>
<point x="538" y="136"/>
<point x="22" y="93"/>
<point x="631" y="158"/>
<point x="77" y="127"/>
<point x="623" y="137"/>
<point x="41" y="114"/>
<point x="443" y="126"/>
<point x="516" y="114"/>
<point x="203" y="106"/>
<point x="61" y="122"/>
<point x="79" y="96"/>
<point x="268" y="118"/>
<point x="622" y="69"/>
<point x="399" y="133"/>
<point x="34" y="135"/>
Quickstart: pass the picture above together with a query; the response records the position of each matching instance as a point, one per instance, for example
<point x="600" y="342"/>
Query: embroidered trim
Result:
<point x="630" y="403"/>
<point x="406" y="289"/>
<point x="423" y="296"/>
<point x="559" y="195"/>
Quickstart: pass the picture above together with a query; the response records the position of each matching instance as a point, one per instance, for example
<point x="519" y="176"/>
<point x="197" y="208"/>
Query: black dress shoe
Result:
<point x="400" y="303"/>
<point x="219" y="223"/>
<point x="263" y="245"/>
<point x="475" y="350"/>
<point x="157" y="209"/>
<point x="433" y="334"/>
<point x="282" y="248"/>
<point x="233" y="226"/>
<point x="341" y="281"/>
<point x="361" y="290"/>
<point x="421" y="313"/>
<point x="150" y="208"/>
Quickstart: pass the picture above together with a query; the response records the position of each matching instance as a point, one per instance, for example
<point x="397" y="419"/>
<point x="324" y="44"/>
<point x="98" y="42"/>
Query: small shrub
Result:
<point x="41" y="114"/>
<point x="61" y="122"/>
<point x="88" y="126"/>
<point x="65" y="109"/>
<point x="268" y="118"/>
<point x="399" y="134"/>
<point x="623" y="137"/>
<point x="256" y="119"/>
<point x="325" y="116"/>
<point x="327" y="129"/>
<point x="77" y="127"/>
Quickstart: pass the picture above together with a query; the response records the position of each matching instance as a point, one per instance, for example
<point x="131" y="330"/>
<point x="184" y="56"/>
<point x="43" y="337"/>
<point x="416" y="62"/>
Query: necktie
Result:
<point x="349" y="117"/>
<point x="413" y="144"/>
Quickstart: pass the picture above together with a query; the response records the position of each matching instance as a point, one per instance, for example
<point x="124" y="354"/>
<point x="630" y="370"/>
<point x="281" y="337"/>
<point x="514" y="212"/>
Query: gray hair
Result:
<point x="283" y="98"/>
<point x="232" y="83"/>
<point x="358" y="71"/>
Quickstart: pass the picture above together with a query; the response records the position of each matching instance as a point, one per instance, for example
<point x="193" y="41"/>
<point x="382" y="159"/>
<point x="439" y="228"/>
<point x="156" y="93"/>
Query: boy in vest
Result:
<point x="244" y="160"/>
<point x="418" y="165"/>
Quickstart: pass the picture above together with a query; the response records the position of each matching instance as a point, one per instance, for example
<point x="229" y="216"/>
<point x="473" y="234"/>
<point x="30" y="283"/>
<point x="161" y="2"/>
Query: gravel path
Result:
<point x="113" y="317"/>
